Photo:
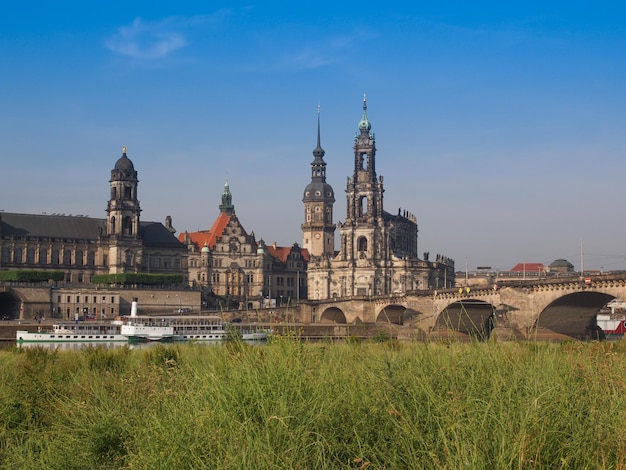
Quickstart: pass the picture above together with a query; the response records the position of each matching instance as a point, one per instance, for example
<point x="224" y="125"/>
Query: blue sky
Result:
<point x="500" y="126"/>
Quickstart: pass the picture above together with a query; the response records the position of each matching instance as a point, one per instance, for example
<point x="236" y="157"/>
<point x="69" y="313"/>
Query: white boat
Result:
<point x="188" y="328"/>
<point x="87" y="332"/>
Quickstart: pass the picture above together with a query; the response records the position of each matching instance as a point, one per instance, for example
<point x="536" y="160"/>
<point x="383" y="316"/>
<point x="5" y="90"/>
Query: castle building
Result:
<point x="83" y="246"/>
<point x="235" y="270"/>
<point x="377" y="250"/>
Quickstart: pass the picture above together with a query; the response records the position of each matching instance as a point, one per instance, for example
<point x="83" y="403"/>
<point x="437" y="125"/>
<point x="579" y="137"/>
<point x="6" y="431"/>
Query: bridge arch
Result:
<point x="573" y="315"/>
<point x="10" y="304"/>
<point x="472" y="317"/>
<point x="333" y="315"/>
<point x="396" y="314"/>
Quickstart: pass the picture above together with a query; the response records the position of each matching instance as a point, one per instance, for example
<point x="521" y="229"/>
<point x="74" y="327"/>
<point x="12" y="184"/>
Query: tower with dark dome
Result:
<point x="122" y="223"/>
<point x="123" y="207"/>
<point x="318" y="230"/>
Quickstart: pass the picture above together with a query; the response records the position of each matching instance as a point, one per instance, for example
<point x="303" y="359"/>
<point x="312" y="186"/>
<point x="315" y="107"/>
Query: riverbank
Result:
<point x="386" y="404"/>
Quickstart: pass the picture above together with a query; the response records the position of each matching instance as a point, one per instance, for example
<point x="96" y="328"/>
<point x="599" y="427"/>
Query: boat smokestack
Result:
<point x="133" y="308"/>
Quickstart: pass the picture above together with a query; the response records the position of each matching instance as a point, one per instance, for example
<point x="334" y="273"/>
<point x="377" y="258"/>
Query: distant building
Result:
<point x="561" y="266"/>
<point x="235" y="270"/>
<point x="534" y="268"/>
<point x="82" y="246"/>
<point x="377" y="250"/>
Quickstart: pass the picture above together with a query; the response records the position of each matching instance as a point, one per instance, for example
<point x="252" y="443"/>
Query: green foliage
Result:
<point x="291" y="404"/>
<point x="31" y="275"/>
<point x="105" y="360"/>
<point x="138" y="279"/>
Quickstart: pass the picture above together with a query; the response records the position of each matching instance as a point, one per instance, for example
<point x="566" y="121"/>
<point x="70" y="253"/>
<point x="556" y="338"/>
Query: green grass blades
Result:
<point x="289" y="404"/>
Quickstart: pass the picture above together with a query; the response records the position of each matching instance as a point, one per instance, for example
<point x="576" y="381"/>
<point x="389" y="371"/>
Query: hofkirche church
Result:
<point x="376" y="252"/>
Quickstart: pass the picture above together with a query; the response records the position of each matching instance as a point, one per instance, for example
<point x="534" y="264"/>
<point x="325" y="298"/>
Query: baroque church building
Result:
<point x="377" y="253"/>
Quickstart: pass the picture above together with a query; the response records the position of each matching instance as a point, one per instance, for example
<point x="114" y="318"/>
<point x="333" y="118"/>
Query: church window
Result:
<point x="91" y="258"/>
<point x="112" y="225"/>
<point x="113" y="192"/>
<point x="79" y="258"/>
<point x="362" y="206"/>
<point x="67" y="257"/>
<point x="363" y="161"/>
<point x="362" y="244"/>
<point x="129" y="259"/>
<point x="308" y="217"/>
<point x="30" y="256"/>
<point x="127" y="192"/>
<point x="55" y="256"/>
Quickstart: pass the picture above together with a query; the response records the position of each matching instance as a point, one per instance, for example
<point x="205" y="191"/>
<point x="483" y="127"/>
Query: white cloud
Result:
<point x="148" y="40"/>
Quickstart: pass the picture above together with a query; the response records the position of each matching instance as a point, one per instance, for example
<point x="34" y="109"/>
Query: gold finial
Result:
<point x="124" y="149"/>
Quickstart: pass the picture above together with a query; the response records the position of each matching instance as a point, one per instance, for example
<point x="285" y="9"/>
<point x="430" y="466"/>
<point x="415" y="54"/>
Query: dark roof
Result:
<point x="157" y="234"/>
<point x="124" y="163"/>
<point x="77" y="228"/>
<point x="51" y="226"/>
<point x="561" y="263"/>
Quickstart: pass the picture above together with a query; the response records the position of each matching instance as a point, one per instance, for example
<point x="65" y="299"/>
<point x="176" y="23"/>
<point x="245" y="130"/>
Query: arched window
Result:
<point x="55" y="257"/>
<point x="6" y="255"/>
<point x="362" y="244"/>
<point x="17" y="256"/>
<point x="30" y="256"/>
<point x="67" y="257"/>
<point x="43" y="256"/>
<point x="113" y="225"/>
<point x="127" y="226"/>
<point x="91" y="258"/>
<point x="362" y="206"/>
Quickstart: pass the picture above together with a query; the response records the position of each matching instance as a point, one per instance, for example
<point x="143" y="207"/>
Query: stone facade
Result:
<point x="377" y="251"/>
<point x="82" y="247"/>
<point x="233" y="269"/>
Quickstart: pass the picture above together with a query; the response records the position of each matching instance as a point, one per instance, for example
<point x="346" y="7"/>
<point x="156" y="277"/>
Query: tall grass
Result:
<point x="295" y="405"/>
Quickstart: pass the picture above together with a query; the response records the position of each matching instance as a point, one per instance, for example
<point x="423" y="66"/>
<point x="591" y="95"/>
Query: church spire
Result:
<point x="318" y="166"/>
<point x="364" y="124"/>
<point x="227" y="200"/>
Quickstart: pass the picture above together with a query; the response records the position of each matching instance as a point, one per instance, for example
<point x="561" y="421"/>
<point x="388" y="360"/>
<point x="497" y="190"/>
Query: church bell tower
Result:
<point x="318" y="230"/>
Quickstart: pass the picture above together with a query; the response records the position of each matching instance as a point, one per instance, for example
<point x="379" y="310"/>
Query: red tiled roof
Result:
<point x="529" y="267"/>
<point x="208" y="237"/>
<point x="282" y="252"/>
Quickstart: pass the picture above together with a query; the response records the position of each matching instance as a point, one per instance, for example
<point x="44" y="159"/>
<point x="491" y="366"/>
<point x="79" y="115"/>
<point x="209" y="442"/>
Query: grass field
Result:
<point x="293" y="405"/>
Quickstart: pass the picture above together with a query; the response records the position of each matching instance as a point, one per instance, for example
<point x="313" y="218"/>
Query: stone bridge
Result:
<point x="553" y="307"/>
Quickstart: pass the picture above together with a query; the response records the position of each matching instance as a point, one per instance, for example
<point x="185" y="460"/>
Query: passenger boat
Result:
<point x="87" y="332"/>
<point x="613" y="325"/>
<point x="187" y="328"/>
<point x="612" y="319"/>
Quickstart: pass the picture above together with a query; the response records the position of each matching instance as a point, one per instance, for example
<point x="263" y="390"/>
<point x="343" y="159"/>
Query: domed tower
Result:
<point x="123" y="207"/>
<point x="318" y="230"/>
<point x="125" y="244"/>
